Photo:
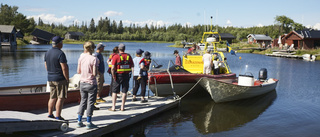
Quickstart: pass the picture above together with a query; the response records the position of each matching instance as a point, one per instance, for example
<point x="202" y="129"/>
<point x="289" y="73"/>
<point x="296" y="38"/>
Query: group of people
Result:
<point x="210" y="63"/>
<point x="91" y="68"/>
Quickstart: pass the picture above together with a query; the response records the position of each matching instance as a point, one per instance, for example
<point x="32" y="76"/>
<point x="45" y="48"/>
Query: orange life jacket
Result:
<point x="146" y="62"/>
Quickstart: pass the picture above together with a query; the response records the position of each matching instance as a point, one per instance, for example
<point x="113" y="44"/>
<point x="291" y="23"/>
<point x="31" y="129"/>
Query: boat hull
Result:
<point x="224" y="91"/>
<point x="160" y="83"/>
<point x="26" y="101"/>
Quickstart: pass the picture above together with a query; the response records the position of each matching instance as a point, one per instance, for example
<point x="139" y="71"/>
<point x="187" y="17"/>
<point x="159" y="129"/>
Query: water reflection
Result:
<point x="213" y="118"/>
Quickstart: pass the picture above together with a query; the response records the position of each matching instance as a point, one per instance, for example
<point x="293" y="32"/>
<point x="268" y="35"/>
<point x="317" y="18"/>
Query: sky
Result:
<point x="236" y="13"/>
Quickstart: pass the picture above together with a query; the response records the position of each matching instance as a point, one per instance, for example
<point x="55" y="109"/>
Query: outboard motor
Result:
<point x="263" y="74"/>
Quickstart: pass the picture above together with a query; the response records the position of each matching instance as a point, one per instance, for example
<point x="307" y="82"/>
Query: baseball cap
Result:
<point x="139" y="51"/>
<point x="121" y="46"/>
<point x="57" y="39"/>
<point x="147" y="53"/>
<point x="100" y="45"/>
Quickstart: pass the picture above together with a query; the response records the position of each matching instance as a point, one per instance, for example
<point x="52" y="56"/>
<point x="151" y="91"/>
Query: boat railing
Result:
<point x="171" y="82"/>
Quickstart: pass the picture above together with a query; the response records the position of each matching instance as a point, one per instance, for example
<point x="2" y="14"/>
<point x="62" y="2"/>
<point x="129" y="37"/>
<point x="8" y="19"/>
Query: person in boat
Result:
<point x="101" y="70"/>
<point x="115" y="51"/>
<point x="58" y="76"/>
<point x="87" y="68"/>
<point x="140" y="76"/>
<point x="207" y="62"/>
<point x="215" y="63"/>
<point x="122" y="66"/>
<point x="193" y="49"/>
<point x="178" y="58"/>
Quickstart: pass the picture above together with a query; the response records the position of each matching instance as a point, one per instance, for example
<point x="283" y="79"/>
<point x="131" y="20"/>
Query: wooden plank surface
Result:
<point x="109" y="121"/>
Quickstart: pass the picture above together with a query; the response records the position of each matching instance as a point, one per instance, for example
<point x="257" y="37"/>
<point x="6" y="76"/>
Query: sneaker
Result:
<point x="95" y="108"/>
<point x="144" y="101"/>
<point x="100" y="100"/>
<point x="134" y="99"/>
<point x="60" y="118"/>
<point x="51" y="116"/>
<point x="91" y="126"/>
<point x="80" y="124"/>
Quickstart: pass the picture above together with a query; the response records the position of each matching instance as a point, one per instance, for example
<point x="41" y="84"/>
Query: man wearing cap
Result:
<point x="122" y="65"/>
<point x="58" y="76"/>
<point x="178" y="58"/>
<point x="101" y="70"/>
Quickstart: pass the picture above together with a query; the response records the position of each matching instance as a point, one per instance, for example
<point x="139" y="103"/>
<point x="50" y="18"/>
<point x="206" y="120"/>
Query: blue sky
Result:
<point x="235" y="13"/>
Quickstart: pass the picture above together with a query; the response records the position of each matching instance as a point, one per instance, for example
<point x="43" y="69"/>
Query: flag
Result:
<point x="229" y="49"/>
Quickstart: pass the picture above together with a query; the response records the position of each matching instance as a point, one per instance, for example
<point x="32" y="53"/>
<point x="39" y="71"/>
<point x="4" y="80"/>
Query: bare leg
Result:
<point x="59" y="106"/>
<point x="114" y="100"/>
<point x="124" y="97"/>
<point x="51" y="103"/>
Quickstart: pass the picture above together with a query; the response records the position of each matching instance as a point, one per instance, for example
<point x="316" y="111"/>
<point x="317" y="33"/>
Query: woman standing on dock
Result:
<point x="87" y="67"/>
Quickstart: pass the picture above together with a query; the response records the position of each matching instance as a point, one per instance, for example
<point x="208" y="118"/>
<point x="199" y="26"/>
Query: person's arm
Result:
<point x="45" y="65"/>
<point x="65" y="70"/>
<point x="94" y="71"/>
<point x="113" y="73"/>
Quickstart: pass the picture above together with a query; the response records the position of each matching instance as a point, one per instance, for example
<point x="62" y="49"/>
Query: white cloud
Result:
<point x="259" y="25"/>
<point x="317" y="26"/>
<point x="228" y="23"/>
<point x="51" y="18"/>
<point x="112" y="13"/>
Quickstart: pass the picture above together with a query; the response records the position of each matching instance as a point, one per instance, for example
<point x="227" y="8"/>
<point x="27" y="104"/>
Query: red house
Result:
<point x="303" y="39"/>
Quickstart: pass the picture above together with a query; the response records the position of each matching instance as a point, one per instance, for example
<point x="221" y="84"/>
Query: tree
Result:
<point x="120" y="28"/>
<point x="92" y="27"/>
<point x="7" y="14"/>
<point x="286" y="23"/>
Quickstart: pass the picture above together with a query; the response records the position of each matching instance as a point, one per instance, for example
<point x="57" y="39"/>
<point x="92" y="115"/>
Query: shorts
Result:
<point x="58" y="89"/>
<point x="100" y="81"/>
<point x="123" y="81"/>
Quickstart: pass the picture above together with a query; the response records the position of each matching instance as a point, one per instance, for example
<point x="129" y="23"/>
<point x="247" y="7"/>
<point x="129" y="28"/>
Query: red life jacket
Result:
<point x="146" y="62"/>
<point x="124" y="65"/>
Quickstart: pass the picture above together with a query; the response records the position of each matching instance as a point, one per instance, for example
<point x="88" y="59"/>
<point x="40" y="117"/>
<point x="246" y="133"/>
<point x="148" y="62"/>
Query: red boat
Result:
<point x="181" y="80"/>
<point x="34" y="97"/>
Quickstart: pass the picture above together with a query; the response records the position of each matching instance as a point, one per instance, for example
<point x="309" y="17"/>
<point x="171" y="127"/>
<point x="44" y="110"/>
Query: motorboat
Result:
<point x="34" y="97"/>
<point x="309" y="57"/>
<point x="177" y="81"/>
<point x="242" y="87"/>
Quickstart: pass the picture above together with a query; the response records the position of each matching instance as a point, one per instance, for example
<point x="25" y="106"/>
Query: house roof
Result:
<point x="225" y="36"/>
<point x="7" y="28"/>
<point x="42" y="34"/>
<point x="309" y="33"/>
<point x="259" y="37"/>
<point x="76" y="33"/>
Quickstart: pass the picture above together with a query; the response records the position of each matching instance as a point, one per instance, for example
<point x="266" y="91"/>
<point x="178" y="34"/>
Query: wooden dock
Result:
<point x="285" y="56"/>
<point x="107" y="121"/>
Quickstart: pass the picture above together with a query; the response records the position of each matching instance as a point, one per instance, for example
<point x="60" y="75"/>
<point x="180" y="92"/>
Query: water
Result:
<point x="292" y="110"/>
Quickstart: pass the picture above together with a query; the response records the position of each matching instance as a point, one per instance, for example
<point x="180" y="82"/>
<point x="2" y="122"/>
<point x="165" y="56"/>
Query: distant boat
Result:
<point x="34" y="42"/>
<point x="309" y="57"/>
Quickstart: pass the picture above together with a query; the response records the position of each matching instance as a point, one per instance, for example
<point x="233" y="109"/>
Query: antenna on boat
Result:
<point x="211" y="24"/>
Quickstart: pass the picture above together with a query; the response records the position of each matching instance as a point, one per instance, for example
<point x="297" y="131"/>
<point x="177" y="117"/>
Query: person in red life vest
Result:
<point x="109" y="61"/>
<point x="142" y="78"/>
<point x="122" y="65"/>
<point x="193" y="50"/>
<point x="178" y="58"/>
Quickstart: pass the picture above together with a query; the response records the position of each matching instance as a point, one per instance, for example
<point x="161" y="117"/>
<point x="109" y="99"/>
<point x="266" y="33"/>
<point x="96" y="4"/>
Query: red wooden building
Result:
<point x="304" y="39"/>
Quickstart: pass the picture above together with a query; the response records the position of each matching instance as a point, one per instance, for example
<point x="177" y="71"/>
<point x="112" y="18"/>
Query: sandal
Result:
<point x="110" y="109"/>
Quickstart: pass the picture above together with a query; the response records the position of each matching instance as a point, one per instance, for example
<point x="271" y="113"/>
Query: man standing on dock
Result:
<point x="58" y="76"/>
<point x="101" y="70"/>
<point x="122" y="66"/>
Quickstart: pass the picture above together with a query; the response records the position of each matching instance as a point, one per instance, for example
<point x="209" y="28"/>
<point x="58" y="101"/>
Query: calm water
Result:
<point x="292" y="110"/>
